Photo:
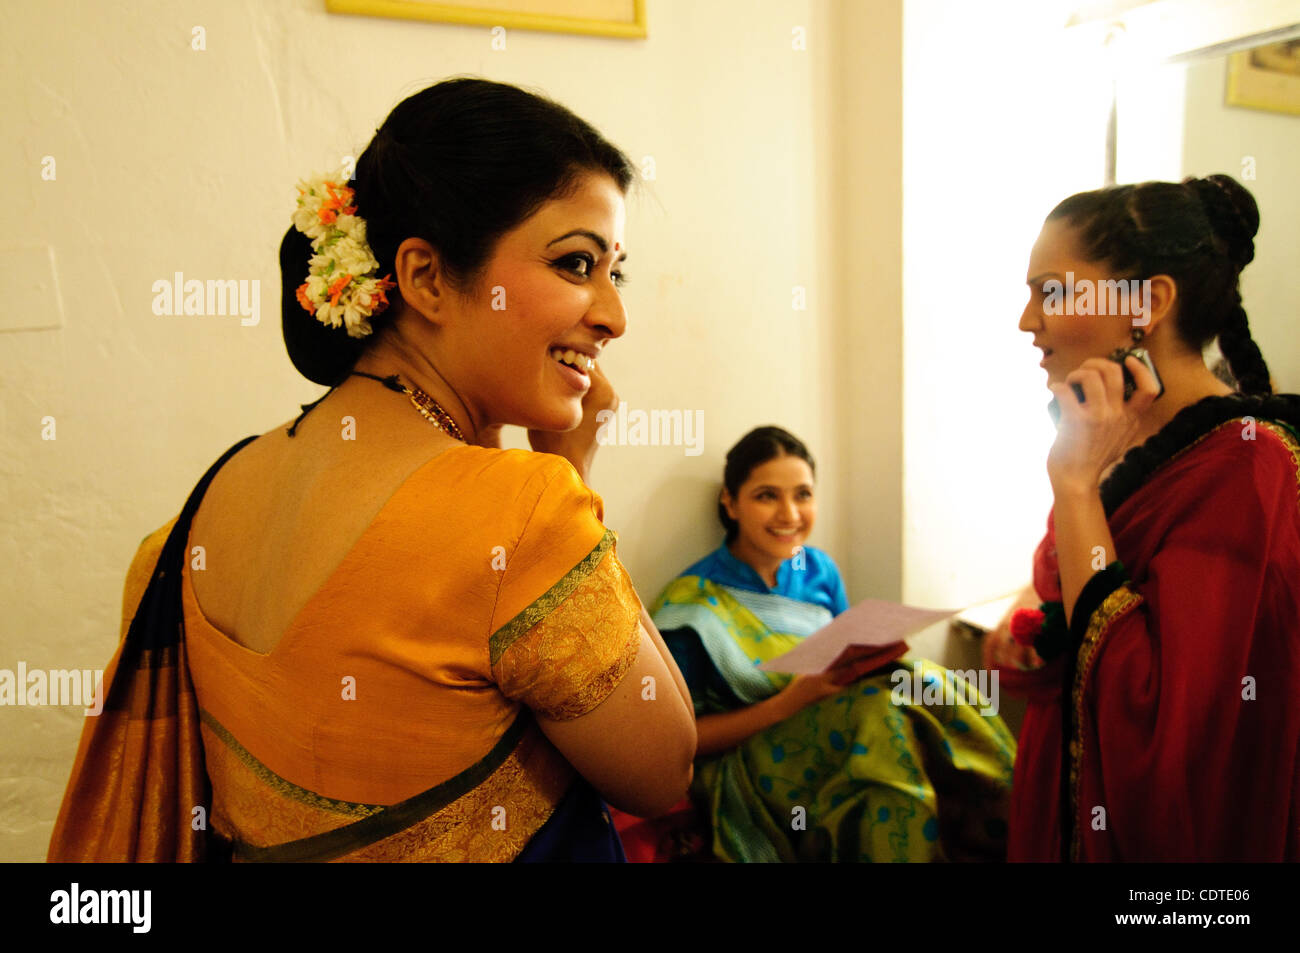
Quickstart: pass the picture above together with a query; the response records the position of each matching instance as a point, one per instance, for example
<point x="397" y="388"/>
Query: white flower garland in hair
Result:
<point x="341" y="288"/>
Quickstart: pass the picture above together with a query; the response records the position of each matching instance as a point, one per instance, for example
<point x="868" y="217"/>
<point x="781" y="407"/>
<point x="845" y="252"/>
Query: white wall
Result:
<point x="1003" y="116"/>
<point x="170" y="159"/>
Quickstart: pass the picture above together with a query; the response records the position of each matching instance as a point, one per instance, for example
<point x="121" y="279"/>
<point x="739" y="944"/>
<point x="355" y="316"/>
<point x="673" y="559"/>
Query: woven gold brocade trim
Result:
<point x="492" y="823"/>
<point x="491" y="820"/>
<point x="1119" y="602"/>
<point x="280" y="785"/>
<point x="516" y="628"/>
<point x="570" y="661"/>
<point x="1288" y="441"/>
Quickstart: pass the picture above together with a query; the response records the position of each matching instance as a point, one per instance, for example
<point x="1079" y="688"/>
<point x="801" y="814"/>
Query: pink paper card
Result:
<point x="870" y="623"/>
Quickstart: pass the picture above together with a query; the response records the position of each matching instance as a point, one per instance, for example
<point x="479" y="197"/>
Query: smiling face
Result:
<point x="775" y="509"/>
<point x="548" y="298"/>
<point x="1067" y="340"/>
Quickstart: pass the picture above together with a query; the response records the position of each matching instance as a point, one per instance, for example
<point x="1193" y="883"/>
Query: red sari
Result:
<point x="1169" y="727"/>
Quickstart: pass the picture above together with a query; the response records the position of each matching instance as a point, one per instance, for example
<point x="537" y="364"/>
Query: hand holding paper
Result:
<point x="858" y="641"/>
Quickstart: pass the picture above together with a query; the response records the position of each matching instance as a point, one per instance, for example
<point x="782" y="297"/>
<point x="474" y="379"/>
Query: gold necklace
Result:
<point x="429" y="408"/>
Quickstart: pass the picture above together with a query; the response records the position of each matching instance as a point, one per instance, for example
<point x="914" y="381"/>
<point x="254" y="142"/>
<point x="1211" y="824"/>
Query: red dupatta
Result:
<point x="1169" y="729"/>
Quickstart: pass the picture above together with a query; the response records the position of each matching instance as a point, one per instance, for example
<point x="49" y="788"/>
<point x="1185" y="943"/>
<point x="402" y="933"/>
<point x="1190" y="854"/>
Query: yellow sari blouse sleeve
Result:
<point x="565" y="627"/>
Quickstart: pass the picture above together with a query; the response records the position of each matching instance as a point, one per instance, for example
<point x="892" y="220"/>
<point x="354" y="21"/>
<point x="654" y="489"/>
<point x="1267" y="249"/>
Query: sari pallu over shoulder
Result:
<point x="1174" y="727"/>
<point x="139" y="790"/>
<point x="739" y="630"/>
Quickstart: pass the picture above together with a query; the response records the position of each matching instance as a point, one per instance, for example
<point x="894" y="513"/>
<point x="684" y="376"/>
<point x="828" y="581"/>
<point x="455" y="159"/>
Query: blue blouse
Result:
<point x="815" y="578"/>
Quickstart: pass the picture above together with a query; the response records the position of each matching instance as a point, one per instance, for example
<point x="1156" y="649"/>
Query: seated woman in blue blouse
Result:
<point x="804" y="768"/>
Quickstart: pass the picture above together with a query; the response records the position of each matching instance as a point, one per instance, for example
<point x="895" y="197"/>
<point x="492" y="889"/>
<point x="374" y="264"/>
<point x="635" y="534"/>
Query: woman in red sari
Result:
<point x="1161" y="666"/>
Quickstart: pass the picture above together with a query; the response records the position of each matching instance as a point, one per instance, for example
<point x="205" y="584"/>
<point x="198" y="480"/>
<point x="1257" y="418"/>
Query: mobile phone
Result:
<point x="1130" y="384"/>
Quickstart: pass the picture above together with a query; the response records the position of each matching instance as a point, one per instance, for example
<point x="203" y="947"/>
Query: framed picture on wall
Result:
<point x="618" y="18"/>
<point x="1267" y="77"/>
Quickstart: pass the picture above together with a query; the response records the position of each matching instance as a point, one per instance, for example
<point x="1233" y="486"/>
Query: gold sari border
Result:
<point x="387" y="821"/>
<point x="558" y="668"/>
<point x="147" y="686"/>
<point x="1288" y="439"/>
<point x="541" y="607"/>
<point x="163" y="657"/>
<point x="1115" y="605"/>
<point x="281" y="785"/>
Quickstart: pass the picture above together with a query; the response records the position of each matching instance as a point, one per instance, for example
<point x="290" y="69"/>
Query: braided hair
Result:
<point x="1199" y="232"/>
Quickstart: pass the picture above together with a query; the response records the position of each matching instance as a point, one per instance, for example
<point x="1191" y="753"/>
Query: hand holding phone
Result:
<point x="1130" y="385"/>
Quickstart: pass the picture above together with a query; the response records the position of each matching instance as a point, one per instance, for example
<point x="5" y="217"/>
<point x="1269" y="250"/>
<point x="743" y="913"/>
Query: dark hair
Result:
<point x="458" y="164"/>
<point x="1201" y="233"/>
<point x="752" y="450"/>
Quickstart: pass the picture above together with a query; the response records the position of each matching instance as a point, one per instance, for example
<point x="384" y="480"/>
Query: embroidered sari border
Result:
<point x="1115" y="605"/>
<point x="387" y="821"/>
<point x="729" y="632"/>
<point x="781" y="613"/>
<point x="745" y="680"/>
<point x="569" y="662"/>
<point x="131" y="688"/>
<point x="1289" y="440"/>
<point x="281" y="785"/>
<point x="1092" y="596"/>
<point x="540" y="608"/>
<point x="1188" y="428"/>
<point x="164" y="657"/>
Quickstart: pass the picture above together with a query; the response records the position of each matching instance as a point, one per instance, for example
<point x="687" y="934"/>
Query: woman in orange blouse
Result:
<point x="404" y="642"/>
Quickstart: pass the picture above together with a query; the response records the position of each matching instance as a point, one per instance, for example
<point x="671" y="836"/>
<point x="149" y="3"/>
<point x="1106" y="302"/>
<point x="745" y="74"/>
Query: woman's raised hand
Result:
<point x="1094" y="434"/>
<point x="578" y="446"/>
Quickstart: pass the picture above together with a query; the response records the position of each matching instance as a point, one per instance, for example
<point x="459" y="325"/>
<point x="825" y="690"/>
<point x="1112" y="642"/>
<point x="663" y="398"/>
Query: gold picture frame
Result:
<point x="624" y="19"/>
<point x="1267" y="77"/>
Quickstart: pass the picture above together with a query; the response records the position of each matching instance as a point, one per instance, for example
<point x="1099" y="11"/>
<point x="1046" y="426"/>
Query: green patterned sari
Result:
<point x="854" y="777"/>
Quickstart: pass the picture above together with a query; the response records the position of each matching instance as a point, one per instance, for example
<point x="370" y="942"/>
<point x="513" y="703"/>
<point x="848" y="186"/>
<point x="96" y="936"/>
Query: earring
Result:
<point x="1138" y="335"/>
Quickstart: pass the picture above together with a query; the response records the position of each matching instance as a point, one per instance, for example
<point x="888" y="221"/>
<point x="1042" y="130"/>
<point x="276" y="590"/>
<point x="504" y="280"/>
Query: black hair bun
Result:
<point x="1232" y="213"/>
<point x="322" y="354"/>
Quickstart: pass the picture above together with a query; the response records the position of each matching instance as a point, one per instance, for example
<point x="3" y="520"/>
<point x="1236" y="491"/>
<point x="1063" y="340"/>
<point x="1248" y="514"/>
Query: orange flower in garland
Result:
<point x="336" y="289"/>
<point x="339" y="202"/>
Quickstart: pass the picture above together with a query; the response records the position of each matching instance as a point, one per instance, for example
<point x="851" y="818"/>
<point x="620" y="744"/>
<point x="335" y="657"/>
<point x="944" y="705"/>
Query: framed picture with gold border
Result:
<point x="617" y="18"/>
<point x="1267" y="77"/>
